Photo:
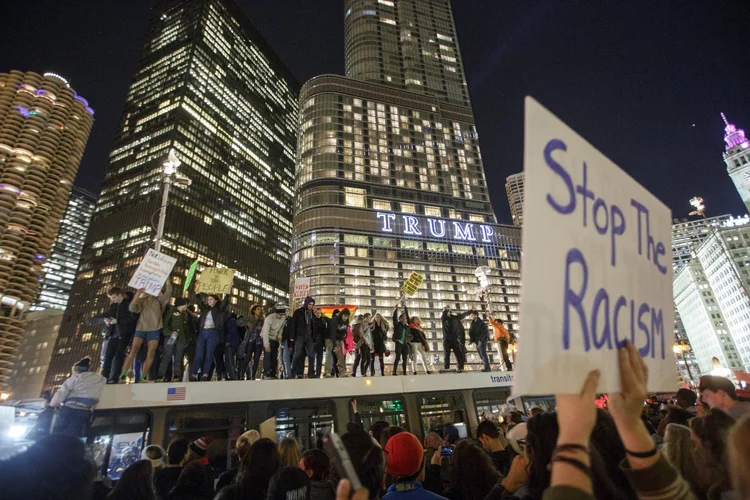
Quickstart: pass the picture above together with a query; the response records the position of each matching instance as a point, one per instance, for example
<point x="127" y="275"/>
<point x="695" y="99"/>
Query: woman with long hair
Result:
<point x="418" y="346"/>
<point x="252" y="344"/>
<point x="709" y="433"/>
<point x="473" y="474"/>
<point x="290" y="452"/>
<point x="135" y="483"/>
<point x="379" y="333"/>
<point x="258" y="466"/>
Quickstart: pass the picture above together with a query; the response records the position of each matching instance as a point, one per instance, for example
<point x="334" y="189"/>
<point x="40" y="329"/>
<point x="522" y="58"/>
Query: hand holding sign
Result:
<point x="152" y="272"/>
<point x="412" y="284"/>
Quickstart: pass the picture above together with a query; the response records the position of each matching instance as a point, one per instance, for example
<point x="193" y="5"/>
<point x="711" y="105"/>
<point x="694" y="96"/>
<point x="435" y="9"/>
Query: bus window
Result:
<point x="492" y="403"/>
<point x="546" y="403"/>
<point x="115" y="440"/>
<point x="392" y="410"/>
<point x="440" y="410"/>
<point x="306" y="422"/>
<point x="223" y="425"/>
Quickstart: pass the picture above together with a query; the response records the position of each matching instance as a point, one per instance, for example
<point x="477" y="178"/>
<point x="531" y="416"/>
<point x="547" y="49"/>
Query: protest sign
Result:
<point x="412" y="284"/>
<point x="152" y="272"/>
<point x="215" y="280"/>
<point x="301" y="288"/>
<point x="190" y="275"/>
<point x="596" y="267"/>
<point x="268" y="429"/>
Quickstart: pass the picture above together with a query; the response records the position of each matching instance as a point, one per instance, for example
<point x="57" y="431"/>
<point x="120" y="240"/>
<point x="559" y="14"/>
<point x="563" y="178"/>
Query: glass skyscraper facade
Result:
<point x="61" y="266"/>
<point x="211" y="88"/>
<point x="390" y="177"/>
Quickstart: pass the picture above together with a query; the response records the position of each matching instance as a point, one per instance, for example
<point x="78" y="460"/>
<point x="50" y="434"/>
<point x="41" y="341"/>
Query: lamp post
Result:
<point x="169" y="177"/>
<point x="680" y="347"/>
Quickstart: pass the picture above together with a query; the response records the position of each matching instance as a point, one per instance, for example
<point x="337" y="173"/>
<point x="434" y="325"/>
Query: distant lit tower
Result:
<point x="737" y="158"/>
<point x="514" y="189"/>
<point x="44" y="126"/>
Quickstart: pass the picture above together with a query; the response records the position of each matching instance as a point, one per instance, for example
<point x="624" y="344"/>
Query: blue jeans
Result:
<point x="482" y="351"/>
<point x="286" y="360"/>
<point x="304" y="346"/>
<point x="204" y="350"/>
<point x="72" y="422"/>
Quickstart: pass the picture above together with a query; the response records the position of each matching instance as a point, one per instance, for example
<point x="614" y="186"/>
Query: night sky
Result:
<point x="644" y="82"/>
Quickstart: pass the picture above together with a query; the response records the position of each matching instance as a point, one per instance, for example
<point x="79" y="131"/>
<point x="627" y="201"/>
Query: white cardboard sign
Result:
<point x="153" y="272"/>
<point x="301" y="288"/>
<point x="596" y="267"/>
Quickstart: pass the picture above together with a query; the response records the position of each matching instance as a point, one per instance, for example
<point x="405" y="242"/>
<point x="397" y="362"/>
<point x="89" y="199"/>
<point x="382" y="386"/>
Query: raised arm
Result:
<point x="199" y="301"/>
<point x="167" y="295"/>
<point x="225" y="301"/>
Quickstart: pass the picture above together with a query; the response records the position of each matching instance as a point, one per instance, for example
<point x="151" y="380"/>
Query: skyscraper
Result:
<point x="44" y="126"/>
<point x="61" y="266"/>
<point x="514" y="190"/>
<point x="737" y="158"/>
<point x="210" y="87"/>
<point x="390" y="177"/>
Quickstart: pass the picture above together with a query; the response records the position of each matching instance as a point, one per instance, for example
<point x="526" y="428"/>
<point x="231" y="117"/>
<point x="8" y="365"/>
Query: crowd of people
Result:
<point x="147" y="338"/>
<point x="626" y="448"/>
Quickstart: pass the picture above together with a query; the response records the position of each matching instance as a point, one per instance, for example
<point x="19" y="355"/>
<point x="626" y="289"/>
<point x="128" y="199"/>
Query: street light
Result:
<point x="680" y="347"/>
<point x="169" y="177"/>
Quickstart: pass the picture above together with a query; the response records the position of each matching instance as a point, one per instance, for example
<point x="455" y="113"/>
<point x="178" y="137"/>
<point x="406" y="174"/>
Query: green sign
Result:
<point x="190" y="276"/>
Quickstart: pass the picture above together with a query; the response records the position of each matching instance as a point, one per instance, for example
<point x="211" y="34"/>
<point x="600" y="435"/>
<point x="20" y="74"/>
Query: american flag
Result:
<point x="176" y="393"/>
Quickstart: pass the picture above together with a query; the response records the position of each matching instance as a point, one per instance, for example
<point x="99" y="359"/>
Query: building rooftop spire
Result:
<point x="733" y="136"/>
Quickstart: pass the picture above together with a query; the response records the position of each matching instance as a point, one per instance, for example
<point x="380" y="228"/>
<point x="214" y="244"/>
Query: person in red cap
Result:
<point x="199" y="449"/>
<point x="404" y="460"/>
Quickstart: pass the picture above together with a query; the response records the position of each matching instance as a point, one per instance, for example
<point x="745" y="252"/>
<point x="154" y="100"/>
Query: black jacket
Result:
<point x="126" y="320"/>
<point x="320" y="330"/>
<point x="218" y="312"/>
<point x="338" y="328"/>
<point x="299" y="326"/>
<point x="478" y="331"/>
<point x="400" y="330"/>
<point x="453" y="329"/>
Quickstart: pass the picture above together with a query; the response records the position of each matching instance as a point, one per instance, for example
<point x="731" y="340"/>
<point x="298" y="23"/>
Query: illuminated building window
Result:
<point x="355" y="197"/>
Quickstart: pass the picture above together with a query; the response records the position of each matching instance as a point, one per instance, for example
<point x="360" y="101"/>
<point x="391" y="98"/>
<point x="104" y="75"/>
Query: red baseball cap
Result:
<point x="404" y="455"/>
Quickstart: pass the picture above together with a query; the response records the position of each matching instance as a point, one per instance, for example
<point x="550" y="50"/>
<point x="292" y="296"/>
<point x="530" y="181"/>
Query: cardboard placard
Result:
<point x="215" y="280"/>
<point x="596" y="266"/>
<point x="152" y="272"/>
<point x="301" y="288"/>
<point x="412" y="284"/>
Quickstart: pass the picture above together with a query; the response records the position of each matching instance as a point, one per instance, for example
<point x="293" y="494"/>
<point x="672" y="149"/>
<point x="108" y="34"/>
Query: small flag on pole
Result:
<point x="176" y="393"/>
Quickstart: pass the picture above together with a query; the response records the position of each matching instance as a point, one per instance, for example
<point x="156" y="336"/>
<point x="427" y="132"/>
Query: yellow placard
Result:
<point x="412" y="284"/>
<point x="216" y="280"/>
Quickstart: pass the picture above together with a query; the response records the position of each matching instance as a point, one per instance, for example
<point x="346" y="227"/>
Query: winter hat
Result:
<point x="345" y="312"/>
<point x="280" y="307"/>
<point x="308" y="299"/>
<point x="200" y="445"/>
<point x="289" y="483"/>
<point x="155" y="451"/>
<point x="516" y="434"/>
<point x="404" y="455"/>
<point x="179" y="301"/>
<point x="83" y="365"/>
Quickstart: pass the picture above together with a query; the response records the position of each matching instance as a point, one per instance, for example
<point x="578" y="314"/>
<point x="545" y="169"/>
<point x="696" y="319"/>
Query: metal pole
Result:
<point x="162" y="212"/>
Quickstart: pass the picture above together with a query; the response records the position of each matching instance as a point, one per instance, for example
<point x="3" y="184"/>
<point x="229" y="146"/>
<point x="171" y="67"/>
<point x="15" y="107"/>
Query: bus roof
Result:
<point x="121" y="396"/>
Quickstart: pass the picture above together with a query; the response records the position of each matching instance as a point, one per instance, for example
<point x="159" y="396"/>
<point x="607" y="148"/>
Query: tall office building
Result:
<point x="711" y="296"/>
<point x="514" y="190"/>
<point x="44" y="126"/>
<point x="61" y="266"/>
<point x="34" y="354"/>
<point x="737" y="158"/>
<point x="390" y="177"/>
<point x="209" y="87"/>
<point x="688" y="235"/>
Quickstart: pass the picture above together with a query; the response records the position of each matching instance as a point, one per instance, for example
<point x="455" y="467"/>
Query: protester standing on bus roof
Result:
<point x="418" y="345"/>
<point x="120" y="327"/>
<point x="251" y="348"/>
<point x="211" y="331"/>
<point x="354" y="328"/>
<point x="78" y="396"/>
<point x="231" y="345"/>
<point x="302" y="331"/>
<point x="478" y="335"/>
<point x="401" y="335"/>
<point x="363" y="344"/>
<point x="502" y="340"/>
<point x="178" y="333"/>
<point x="148" y="328"/>
<point x="339" y="325"/>
<point x="287" y="349"/>
<point x="320" y="334"/>
<point x="273" y="330"/>
<point x="451" y="338"/>
<point x="379" y="332"/>
<point x="330" y="369"/>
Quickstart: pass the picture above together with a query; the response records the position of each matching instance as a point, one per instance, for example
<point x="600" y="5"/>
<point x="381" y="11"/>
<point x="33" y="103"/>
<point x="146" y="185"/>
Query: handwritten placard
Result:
<point x="596" y="266"/>
<point x="153" y="272"/>
<point x="412" y="284"/>
<point x="301" y="288"/>
<point x="216" y="280"/>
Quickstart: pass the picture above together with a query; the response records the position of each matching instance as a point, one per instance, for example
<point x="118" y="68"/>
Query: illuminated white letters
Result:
<point x="434" y="231"/>
<point x="411" y="225"/>
<point x="387" y="219"/>
<point x="487" y="231"/>
<point x="463" y="233"/>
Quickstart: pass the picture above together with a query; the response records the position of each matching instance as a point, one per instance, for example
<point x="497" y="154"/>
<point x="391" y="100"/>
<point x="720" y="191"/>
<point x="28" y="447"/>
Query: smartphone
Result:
<point x="342" y="462"/>
<point x="446" y="450"/>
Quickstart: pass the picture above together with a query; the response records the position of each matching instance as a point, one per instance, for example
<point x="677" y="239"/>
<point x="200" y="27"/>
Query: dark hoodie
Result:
<point x="302" y="321"/>
<point x="338" y="326"/>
